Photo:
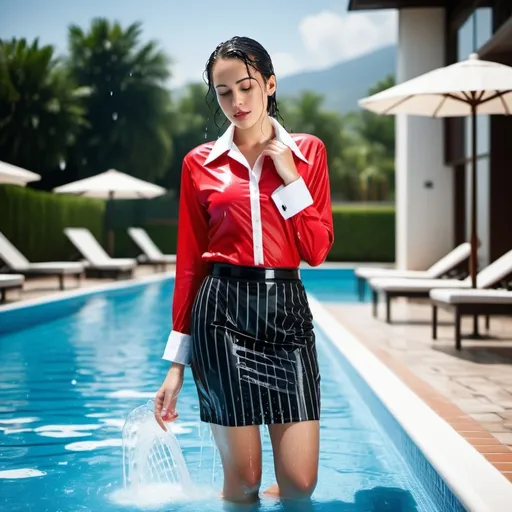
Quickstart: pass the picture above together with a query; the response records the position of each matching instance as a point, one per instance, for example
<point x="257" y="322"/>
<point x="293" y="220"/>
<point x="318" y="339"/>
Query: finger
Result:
<point x="278" y="144"/>
<point x="158" y="410"/>
<point x="269" y="152"/>
<point x="169" y="407"/>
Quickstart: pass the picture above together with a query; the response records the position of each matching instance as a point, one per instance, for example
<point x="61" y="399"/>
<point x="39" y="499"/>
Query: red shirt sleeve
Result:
<point x="192" y="243"/>
<point x="313" y="226"/>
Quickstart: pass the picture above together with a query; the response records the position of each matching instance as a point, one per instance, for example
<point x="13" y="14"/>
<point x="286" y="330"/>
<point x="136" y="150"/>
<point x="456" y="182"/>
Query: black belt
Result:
<point x="254" y="273"/>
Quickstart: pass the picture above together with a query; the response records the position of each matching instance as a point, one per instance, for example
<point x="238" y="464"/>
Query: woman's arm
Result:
<point x="306" y="203"/>
<point x="190" y="268"/>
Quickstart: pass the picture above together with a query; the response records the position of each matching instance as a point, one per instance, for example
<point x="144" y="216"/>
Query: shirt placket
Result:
<point x="257" y="232"/>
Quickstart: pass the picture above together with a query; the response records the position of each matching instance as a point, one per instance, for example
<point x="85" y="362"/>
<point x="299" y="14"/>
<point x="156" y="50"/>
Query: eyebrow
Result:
<point x="237" y="82"/>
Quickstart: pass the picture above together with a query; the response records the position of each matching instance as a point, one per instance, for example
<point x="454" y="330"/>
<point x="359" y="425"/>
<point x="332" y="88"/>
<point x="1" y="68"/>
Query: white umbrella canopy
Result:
<point x="467" y="88"/>
<point x="451" y="91"/>
<point x="14" y="175"/>
<point x="111" y="185"/>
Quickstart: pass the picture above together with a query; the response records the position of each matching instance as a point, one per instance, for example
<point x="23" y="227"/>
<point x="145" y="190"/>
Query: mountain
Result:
<point x="345" y="83"/>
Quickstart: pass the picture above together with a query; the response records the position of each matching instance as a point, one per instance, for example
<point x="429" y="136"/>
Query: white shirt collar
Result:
<point x="225" y="142"/>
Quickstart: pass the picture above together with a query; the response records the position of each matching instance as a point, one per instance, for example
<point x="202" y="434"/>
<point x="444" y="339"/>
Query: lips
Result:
<point x="241" y="114"/>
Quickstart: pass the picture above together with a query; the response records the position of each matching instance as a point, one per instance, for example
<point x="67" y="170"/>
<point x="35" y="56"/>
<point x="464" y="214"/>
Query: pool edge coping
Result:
<point x="478" y="485"/>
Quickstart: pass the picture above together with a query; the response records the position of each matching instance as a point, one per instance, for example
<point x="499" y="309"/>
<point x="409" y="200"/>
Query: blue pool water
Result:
<point x="67" y="384"/>
<point x="332" y="284"/>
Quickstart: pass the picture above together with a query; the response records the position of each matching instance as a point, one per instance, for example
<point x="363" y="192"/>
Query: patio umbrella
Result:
<point x="112" y="185"/>
<point x="466" y="88"/>
<point x="15" y="175"/>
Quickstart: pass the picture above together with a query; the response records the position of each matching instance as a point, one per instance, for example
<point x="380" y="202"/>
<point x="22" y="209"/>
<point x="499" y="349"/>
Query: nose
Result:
<point x="237" y="99"/>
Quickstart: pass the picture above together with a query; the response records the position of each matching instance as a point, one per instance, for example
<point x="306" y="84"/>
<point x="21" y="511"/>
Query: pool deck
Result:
<point x="471" y="389"/>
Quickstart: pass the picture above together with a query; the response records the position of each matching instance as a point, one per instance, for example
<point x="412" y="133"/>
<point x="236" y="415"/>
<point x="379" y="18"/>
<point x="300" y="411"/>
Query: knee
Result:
<point x="244" y="482"/>
<point x="300" y="486"/>
<point x="250" y="480"/>
<point x="305" y="486"/>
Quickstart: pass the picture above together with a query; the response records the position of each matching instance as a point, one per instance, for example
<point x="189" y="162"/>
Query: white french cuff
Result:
<point x="177" y="348"/>
<point x="292" y="198"/>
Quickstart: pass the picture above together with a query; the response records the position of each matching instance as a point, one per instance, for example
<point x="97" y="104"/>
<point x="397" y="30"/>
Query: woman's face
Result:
<point x="241" y="91"/>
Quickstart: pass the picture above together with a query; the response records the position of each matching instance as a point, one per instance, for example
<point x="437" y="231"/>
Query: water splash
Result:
<point x="152" y="460"/>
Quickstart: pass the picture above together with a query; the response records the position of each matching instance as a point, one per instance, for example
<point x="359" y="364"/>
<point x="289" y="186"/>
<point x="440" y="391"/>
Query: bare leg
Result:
<point x="240" y="452"/>
<point x="296" y="450"/>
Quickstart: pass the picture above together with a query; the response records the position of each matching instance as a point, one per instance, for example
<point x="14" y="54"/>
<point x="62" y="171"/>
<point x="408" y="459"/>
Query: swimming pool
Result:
<point x="68" y="382"/>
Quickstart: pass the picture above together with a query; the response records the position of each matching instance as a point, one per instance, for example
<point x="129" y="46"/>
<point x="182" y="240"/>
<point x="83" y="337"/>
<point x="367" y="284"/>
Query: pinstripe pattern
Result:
<point x="254" y="357"/>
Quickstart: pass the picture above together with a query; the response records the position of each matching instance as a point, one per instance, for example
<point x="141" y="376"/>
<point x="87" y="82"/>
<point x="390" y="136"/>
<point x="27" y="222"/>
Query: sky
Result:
<point x="299" y="34"/>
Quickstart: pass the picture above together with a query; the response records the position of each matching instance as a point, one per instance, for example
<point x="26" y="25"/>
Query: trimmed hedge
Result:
<point x="34" y="221"/>
<point x="361" y="234"/>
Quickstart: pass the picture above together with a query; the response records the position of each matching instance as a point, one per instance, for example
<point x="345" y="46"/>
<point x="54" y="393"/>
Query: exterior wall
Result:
<point x="424" y="213"/>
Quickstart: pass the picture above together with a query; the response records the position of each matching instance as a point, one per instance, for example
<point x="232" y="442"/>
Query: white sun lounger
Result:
<point x="16" y="262"/>
<point x="10" y="281"/>
<point x="489" y="277"/>
<point x="472" y="302"/>
<point x="97" y="259"/>
<point x="446" y="266"/>
<point x="152" y="254"/>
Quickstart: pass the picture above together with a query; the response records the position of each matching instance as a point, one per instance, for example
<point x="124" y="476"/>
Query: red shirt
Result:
<point x="233" y="214"/>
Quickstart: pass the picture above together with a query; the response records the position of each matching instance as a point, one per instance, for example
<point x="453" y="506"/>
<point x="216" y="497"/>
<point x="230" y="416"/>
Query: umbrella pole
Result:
<point x="473" y="236"/>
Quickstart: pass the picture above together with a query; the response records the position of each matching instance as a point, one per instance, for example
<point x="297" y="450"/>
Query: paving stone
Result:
<point x="469" y="381"/>
<point x="486" y="417"/>
<point x="505" y="438"/>
<point x="481" y="408"/>
<point x="497" y="426"/>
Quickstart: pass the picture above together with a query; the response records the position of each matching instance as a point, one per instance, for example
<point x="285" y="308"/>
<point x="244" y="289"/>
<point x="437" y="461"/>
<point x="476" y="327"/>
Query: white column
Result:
<point x="424" y="186"/>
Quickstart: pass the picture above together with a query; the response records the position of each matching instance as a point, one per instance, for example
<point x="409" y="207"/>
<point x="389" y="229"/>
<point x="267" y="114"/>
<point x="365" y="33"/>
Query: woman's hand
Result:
<point x="282" y="157"/>
<point x="167" y="395"/>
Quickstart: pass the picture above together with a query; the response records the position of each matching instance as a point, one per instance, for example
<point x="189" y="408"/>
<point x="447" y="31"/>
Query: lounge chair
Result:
<point x="9" y="282"/>
<point x="449" y="266"/>
<point x="151" y="253"/>
<point x="493" y="276"/>
<point x="16" y="263"/>
<point x="98" y="262"/>
<point x="469" y="302"/>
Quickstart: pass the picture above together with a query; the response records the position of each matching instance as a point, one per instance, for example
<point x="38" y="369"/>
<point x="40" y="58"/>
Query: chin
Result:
<point x="243" y="124"/>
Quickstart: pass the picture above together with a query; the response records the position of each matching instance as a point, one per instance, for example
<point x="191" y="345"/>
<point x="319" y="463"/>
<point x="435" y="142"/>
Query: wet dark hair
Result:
<point x="253" y="55"/>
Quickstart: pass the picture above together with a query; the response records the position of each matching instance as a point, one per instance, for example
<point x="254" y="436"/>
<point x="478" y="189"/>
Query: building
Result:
<point x="432" y="155"/>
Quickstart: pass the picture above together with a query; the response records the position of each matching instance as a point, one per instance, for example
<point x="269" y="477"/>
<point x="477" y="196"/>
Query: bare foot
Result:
<point x="272" y="491"/>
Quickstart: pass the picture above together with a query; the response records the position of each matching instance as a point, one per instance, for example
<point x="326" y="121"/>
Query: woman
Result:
<point x="252" y="206"/>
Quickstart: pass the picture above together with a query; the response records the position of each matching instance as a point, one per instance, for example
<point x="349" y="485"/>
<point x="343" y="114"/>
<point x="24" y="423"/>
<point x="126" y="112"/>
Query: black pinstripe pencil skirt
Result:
<point x="254" y="358"/>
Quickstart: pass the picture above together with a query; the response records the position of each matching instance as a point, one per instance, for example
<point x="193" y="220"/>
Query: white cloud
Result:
<point x="285" y="64"/>
<point x="330" y="37"/>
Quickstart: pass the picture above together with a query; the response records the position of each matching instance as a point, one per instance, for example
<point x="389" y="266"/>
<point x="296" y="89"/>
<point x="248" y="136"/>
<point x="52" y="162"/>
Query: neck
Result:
<point x="258" y="134"/>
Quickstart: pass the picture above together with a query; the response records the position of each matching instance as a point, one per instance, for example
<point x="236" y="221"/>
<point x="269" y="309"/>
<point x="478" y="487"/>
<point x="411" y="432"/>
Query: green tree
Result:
<point x="41" y="108"/>
<point x="129" y="110"/>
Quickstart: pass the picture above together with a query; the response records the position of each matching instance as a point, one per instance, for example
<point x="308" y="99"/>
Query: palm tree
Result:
<point x="41" y="109"/>
<point x="129" y="110"/>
